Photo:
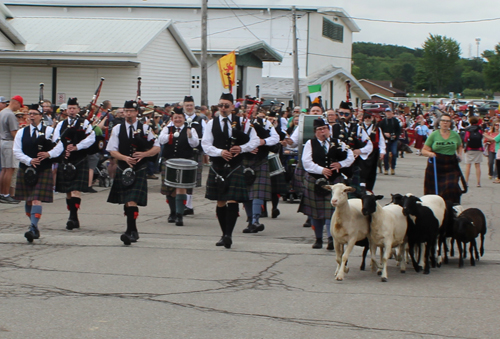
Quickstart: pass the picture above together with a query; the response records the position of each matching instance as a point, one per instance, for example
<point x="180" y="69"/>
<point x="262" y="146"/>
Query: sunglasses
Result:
<point x="224" y="105"/>
<point x="344" y="114"/>
<point x="445" y="120"/>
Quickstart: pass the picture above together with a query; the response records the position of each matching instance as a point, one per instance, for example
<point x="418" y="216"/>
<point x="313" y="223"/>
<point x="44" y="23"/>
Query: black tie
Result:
<point x="131" y="131"/>
<point x="226" y="127"/>
<point x="178" y="129"/>
<point x="33" y="136"/>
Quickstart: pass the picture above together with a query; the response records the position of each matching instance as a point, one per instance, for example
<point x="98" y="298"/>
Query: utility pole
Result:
<point x="204" y="71"/>
<point x="296" y="93"/>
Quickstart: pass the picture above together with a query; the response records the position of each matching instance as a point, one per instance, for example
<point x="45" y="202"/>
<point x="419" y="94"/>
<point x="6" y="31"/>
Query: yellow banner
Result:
<point x="227" y="66"/>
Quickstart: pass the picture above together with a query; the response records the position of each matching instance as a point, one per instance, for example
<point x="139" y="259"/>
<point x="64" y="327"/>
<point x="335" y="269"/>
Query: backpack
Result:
<point x="475" y="137"/>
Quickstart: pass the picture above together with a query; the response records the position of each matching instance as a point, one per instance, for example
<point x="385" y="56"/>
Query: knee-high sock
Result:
<point x="256" y="209"/>
<point x="248" y="209"/>
<point x="180" y="199"/>
<point x="132" y="215"/>
<point x="232" y="216"/>
<point x="318" y="227"/>
<point x="275" y="199"/>
<point x="36" y="214"/>
<point x="27" y="209"/>
<point x="221" y="213"/>
<point x="74" y="205"/>
<point x="171" y="204"/>
<point x="327" y="225"/>
<point x="189" y="201"/>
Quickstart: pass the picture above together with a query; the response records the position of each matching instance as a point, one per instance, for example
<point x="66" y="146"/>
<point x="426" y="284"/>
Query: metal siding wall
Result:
<point x="25" y="81"/>
<point x="77" y="82"/>
<point x="5" y="81"/>
<point x="120" y="85"/>
<point x="165" y="71"/>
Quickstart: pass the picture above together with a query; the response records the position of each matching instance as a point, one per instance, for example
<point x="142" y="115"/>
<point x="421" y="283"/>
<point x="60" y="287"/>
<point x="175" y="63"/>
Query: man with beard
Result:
<point x="369" y="171"/>
<point x="392" y="129"/>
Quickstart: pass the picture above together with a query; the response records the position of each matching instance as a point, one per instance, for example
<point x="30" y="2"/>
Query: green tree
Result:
<point x="491" y="70"/>
<point x="441" y="55"/>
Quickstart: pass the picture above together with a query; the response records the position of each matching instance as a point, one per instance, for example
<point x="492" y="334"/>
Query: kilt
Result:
<point x="81" y="181"/>
<point x="298" y="179"/>
<point x="448" y="176"/>
<point x="420" y="140"/>
<point x="43" y="190"/>
<point x="168" y="190"/>
<point x="314" y="205"/>
<point x="261" y="187"/>
<point x="138" y="192"/>
<point x="279" y="184"/>
<point x="236" y="185"/>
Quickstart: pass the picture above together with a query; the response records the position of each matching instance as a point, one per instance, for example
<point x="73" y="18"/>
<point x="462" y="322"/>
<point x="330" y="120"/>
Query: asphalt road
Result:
<point x="175" y="283"/>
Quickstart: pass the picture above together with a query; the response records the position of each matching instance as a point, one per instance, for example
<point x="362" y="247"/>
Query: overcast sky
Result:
<point x="410" y="35"/>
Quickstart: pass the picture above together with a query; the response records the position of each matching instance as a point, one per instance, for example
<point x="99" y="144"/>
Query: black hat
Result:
<point x="318" y="123"/>
<point x="177" y="110"/>
<point x="166" y="105"/>
<point x="345" y="105"/>
<point x="367" y="115"/>
<point x="188" y="98"/>
<point x="316" y="105"/>
<point x="130" y="104"/>
<point x="272" y="114"/>
<point x="227" y="96"/>
<point x="73" y="101"/>
<point x="33" y="107"/>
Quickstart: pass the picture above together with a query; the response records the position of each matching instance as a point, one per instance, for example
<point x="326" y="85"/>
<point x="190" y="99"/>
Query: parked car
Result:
<point x="487" y="107"/>
<point x="375" y="107"/>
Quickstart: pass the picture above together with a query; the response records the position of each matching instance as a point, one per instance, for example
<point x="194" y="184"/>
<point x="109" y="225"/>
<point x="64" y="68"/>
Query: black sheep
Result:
<point x="468" y="225"/>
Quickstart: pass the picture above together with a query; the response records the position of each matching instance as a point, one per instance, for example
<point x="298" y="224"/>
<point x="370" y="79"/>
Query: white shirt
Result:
<point x="381" y="139"/>
<point x="114" y="141"/>
<point x="85" y="143"/>
<point x="311" y="167"/>
<point x="273" y="138"/>
<point x="164" y="136"/>
<point x="202" y="121"/>
<point x="207" y="142"/>
<point x="18" y="144"/>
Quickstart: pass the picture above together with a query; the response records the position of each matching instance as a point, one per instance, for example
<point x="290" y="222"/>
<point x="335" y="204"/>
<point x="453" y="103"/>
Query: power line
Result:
<point x="421" y="22"/>
<point x="241" y="21"/>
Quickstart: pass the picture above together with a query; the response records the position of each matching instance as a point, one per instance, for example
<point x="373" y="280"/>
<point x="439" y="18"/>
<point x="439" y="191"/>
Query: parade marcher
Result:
<point x="422" y="133"/>
<point x="178" y="140"/>
<point x="199" y="125"/>
<point x="256" y="170"/>
<point x="444" y="146"/>
<point x="77" y="136"/>
<point x="34" y="149"/>
<point x="279" y="185"/>
<point x="369" y="171"/>
<point x="131" y="143"/>
<point x="323" y="158"/>
<point x="224" y="141"/>
<point x="331" y="119"/>
<point x="356" y="138"/>
<point x="392" y="129"/>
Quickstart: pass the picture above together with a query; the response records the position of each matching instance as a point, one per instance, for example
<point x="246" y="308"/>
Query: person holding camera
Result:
<point x="392" y="129"/>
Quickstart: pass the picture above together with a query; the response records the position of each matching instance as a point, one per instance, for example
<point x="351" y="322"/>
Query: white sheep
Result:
<point x="348" y="225"/>
<point x="387" y="230"/>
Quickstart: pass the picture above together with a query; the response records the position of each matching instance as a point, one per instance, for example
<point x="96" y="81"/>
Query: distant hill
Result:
<point x="382" y="50"/>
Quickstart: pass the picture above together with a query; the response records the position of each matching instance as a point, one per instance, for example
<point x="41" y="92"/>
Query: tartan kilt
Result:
<point x="298" y="179"/>
<point x="314" y="205"/>
<point x="236" y="185"/>
<point x="137" y="193"/>
<point x="261" y="187"/>
<point x="168" y="190"/>
<point x="81" y="181"/>
<point x="43" y="190"/>
<point x="448" y="176"/>
<point x="279" y="184"/>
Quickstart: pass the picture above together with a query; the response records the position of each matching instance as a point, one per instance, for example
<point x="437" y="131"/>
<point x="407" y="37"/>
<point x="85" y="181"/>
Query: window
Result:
<point x="333" y="31"/>
<point x="195" y="81"/>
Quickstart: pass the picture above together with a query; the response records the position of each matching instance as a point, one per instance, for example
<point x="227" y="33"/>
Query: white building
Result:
<point x="70" y="55"/>
<point x="324" y="36"/>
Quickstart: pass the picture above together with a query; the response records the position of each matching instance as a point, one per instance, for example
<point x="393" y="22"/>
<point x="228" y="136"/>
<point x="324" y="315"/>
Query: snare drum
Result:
<point x="180" y="173"/>
<point x="275" y="165"/>
<point x="306" y="129"/>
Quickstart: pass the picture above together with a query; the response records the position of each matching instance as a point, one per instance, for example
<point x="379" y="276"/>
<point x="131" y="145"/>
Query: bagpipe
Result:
<point x="42" y="145"/>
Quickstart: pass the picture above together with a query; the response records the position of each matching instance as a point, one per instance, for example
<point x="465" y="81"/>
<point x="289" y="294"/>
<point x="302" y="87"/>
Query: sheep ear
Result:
<point x="379" y="197"/>
<point x="350" y="189"/>
<point x="327" y="187"/>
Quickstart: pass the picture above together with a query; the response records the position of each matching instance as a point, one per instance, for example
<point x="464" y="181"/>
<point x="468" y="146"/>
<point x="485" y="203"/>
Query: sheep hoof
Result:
<point x="402" y="271"/>
<point x="339" y="278"/>
<point x="379" y="273"/>
<point x="346" y="269"/>
<point x="439" y="265"/>
<point x="446" y="260"/>
<point x="384" y="279"/>
<point x="427" y="272"/>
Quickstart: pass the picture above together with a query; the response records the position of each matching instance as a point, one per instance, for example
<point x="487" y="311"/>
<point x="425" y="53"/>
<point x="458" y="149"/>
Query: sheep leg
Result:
<point x="411" y="249"/>
<point x="365" y="251"/>
<point x="434" y="260"/>
<point x="427" y="268"/>
<point x="385" y="258"/>
<point x="452" y="247"/>
<point x="464" y="244"/>
<point x="482" y="244"/>
<point x="472" y="246"/>
<point x="345" y="256"/>
<point x="338" y="254"/>
<point x="373" y="255"/>
<point x="475" y="250"/>
<point x="460" y="257"/>
<point x="381" y="264"/>
<point x="403" y="262"/>
<point x="421" y="252"/>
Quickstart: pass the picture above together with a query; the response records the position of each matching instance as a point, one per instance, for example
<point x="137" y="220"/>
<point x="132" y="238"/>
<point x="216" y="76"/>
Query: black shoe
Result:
<point x="263" y="214"/>
<point x="220" y="242"/>
<point x="134" y="236"/>
<point x="188" y="211"/>
<point x="275" y="213"/>
<point x="330" y="244"/>
<point x="178" y="220"/>
<point x="307" y="223"/>
<point x="171" y="218"/>
<point x="227" y="241"/>
<point x="318" y="243"/>
<point x="258" y="227"/>
<point x="126" y="239"/>
<point x="29" y="236"/>
<point x="250" y="228"/>
<point x="91" y="190"/>
<point x="70" y="224"/>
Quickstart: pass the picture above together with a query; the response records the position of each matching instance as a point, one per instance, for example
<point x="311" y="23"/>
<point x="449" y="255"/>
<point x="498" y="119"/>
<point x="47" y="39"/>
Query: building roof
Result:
<point x="259" y="48"/>
<point x="384" y="84"/>
<point x="329" y="73"/>
<point x="73" y="37"/>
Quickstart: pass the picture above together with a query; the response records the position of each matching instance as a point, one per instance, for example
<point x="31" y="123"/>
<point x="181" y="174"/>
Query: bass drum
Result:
<point x="306" y="129"/>
<point x="180" y="173"/>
